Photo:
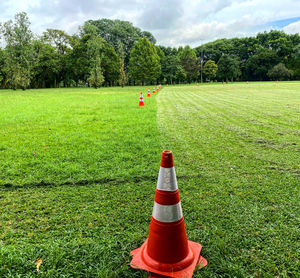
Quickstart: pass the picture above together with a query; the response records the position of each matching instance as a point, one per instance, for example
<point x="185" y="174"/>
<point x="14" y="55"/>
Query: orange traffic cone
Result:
<point x="197" y="84"/>
<point x="141" y="102"/>
<point x="167" y="251"/>
<point x="247" y="82"/>
<point x="157" y="89"/>
<point x="153" y="92"/>
<point x="148" y="95"/>
<point x="167" y="85"/>
<point x="223" y="83"/>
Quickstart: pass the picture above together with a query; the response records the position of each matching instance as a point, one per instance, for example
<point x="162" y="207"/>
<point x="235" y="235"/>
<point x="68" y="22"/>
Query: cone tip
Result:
<point x="167" y="159"/>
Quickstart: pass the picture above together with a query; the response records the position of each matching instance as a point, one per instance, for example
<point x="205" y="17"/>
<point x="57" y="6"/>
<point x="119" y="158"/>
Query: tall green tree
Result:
<point x="172" y="70"/>
<point x="78" y="62"/>
<point x="120" y="34"/>
<point x="210" y="69"/>
<point x="123" y="77"/>
<point x="144" y="63"/>
<point x="45" y="65"/>
<point x="96" y="77"/>
<point x="294" y="62"/>
<point x="180" y="75"/>
<point x="228" y="68"/>
<point x="62" y="43"/>
<point x="161" y="56"/>
<point x="110" y="64"/>
<point x="2" y="64"/>
<point x="18" y="51"/>
<point x="86" y="51"/>
<point x="94" y="52"/>
<point x="189" y="62"/>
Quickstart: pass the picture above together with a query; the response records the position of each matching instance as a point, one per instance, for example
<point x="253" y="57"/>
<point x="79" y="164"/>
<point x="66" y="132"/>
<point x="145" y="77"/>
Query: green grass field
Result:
<point x="78" y="170"/>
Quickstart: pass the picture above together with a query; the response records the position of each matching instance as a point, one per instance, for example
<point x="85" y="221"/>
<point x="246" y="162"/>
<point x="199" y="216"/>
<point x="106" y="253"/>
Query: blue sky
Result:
<point x="173" y="22"/>
<point x="279" y="24"/>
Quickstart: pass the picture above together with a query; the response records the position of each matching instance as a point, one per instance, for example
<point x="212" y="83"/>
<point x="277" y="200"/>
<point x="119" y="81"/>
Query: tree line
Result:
<point x="113" y="52"/>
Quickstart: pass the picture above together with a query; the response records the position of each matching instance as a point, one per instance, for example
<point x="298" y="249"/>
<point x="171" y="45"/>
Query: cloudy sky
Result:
<point x="173" y="22"/>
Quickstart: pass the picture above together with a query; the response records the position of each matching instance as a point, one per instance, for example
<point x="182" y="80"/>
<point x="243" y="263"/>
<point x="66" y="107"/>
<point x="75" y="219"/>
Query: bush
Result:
<point x="279" y="72"/>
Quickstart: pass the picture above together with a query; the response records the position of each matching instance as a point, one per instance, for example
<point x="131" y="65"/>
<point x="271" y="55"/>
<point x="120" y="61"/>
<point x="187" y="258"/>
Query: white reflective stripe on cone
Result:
<point x="168" y="214"/>
<point x="167" y="179"/>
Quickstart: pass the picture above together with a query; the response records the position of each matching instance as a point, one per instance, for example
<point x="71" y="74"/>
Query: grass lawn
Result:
<point x="78" y="170"/>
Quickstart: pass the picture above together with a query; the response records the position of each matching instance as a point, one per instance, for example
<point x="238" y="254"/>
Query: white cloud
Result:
<point x="160" y="15"/>
<point x="292" y="28"/>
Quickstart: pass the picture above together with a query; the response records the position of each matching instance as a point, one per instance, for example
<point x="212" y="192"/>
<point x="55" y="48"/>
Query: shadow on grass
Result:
<point x="135" y="179"/>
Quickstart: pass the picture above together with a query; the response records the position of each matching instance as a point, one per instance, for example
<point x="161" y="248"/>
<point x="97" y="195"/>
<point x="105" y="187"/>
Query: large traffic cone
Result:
<point x="149" y="94"/>
<point x="167" y="252"/>
<point x="141" y="102"/>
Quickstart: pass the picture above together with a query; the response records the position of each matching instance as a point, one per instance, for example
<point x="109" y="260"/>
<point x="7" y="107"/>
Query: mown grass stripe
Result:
<point x="244" y="203"/>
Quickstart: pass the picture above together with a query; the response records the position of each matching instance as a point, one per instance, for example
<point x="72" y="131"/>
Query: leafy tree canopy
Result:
<point x="257" y="65"/>
<point x="45" y="65"/>
<point x="144" y="63"/>
<point x="228" y="67"/>
<point x="59" y="39"/>
<point x="189" y="62"/>
<point x="89" y="50"/>
<point x="210" y="69"/>
<point x="120" y="34"/>
<point x="18" y="51"/>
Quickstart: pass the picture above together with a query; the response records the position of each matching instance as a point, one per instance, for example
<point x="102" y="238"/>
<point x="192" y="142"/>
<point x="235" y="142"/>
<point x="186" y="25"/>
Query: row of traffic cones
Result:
<point x="247" y="83"/>
<point x="141" y="102"/>
<point x="167" y="252"/>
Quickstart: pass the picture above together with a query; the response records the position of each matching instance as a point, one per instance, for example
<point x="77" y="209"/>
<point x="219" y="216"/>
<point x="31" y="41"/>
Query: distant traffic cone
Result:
<point x="157" y="89"/>
<point x="141" y="102"/>
<point x="167" y="85"/>
<point x="167" y="251"/>
<point x="153" y="92"/>
<point x="148" y="95"/>
<point x="197" y="84"/>
<point x="247" y="82"/>
<point x="223" y="83"/>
